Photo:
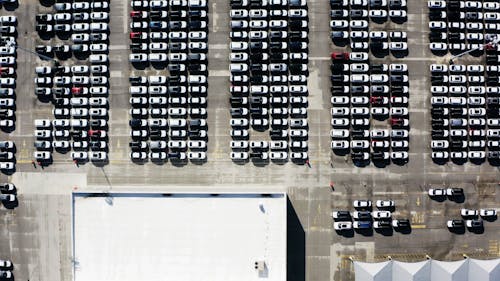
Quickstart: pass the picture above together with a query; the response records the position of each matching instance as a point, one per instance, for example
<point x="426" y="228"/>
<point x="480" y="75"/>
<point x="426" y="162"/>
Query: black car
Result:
<point x="197" y="25"/>
<point x="376" y="4"/>
<point x="438" y="123"/>
<point x="378" y="156"/>
<point x="177" y="14"/>
<point x="256" y="47"/>
<point x="196" y="68"/>
<point x="137" y="80"/>
<point x="98" y="37"/>
<point x="493" y="102"/>
<point x="435" y="15"/>
<point x="176" y="68"/>
<point x="298" y="24"/>
<point x="336" y="4"/>
<point x="135" y="123"/>
<point x="174" y="155"/>
<point x="455" y="37"/>
<point x="494" y="155"/>
<point x="175" y="25"/>
<point x="138" y="145"/>
<point x="337" y="14"/>
<point x="437" y="112"/>
<point x="337" y="68"/>
<point x="457" y="112"/>
<point x="454" y="16"/>
<point x="295" y="46"/>
<point x="358" y="156"/>
<point x="258" y="155"/>
<point x="195" y="13"/>
<point x="276" y="134"/>
<point x="376" y="45"/>
<point x="43" y="18"/>
<point x="456" y="145"/>
<point x="195" y="57"/>
<point x="453" y="5"/>
<point x="455" y="192"/>
<point x="437" y="134"/>
<point x="472" y="15"/>
<point x="258" y="57"/>
<point x="136" y="47"/>
<point x="42" y="28"/>
<point x="378" y="68"/>
<point x="363" y="215"/>
<point x="356" y="14"/>
<point x="358" y="134"/>
<point x="396" y="4"/>
<point x="176" y="46"/>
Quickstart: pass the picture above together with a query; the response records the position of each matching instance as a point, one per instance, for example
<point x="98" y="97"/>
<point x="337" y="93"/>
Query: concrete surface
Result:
<point x="36" y="234"/>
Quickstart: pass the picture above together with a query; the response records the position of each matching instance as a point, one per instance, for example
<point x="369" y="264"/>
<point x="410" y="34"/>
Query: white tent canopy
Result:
<point x="374" y="271"/>
<point x="429" y="270"/>
<point x="411" y="271"/>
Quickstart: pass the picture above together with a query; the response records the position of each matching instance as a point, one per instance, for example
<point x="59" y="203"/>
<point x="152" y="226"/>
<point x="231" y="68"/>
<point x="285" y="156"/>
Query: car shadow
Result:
<point x="240" y="162"/>
<point x="341" y="152"/>
<point x="259" y="162"/>
<point x="361" y="163"/>
<point x="399" y="20"/>
<point x="47" y="3"/>
<point x="199" y="161"/>
<point x="385" y="231"/>
<point x="477" y="230"/>
<point x="400" y="54"/>
<point x="381" y="163"/>
<point x="490" y="219"/>
<point x="477" y="161"/>
<point x="439" y="53"/>
<point x="347" y="233"/>
<point x="364" y="231"/>
<point x="459" y="230"/>
<point x="458" y="161"/>
<point x="439" y="161"/>
<point x="404" y="230"/>
<point x="457" y="199"/>
<point x="11" y="6"/>
<point x="11" y="205"/>
<point x="438" y="198"/>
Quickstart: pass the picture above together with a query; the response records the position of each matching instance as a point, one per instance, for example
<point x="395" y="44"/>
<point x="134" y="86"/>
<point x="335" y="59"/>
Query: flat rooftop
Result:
<point x="182" y="237"/>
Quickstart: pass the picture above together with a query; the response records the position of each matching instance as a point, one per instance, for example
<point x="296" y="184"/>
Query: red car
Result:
<point x="340" y="56"/>
<point x="379" y="100"/>
<point x="5" y="71"/>
<point x="138" y="14"/>
<point x="97" y="133"/>
<point x="76" y="90"/>
<point x="138" y="35"/>
<point x="399" y="122"/>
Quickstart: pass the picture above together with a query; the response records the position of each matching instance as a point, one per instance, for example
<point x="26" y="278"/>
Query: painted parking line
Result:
<point x="218" y="46"/>
<point x="419" y="226"/>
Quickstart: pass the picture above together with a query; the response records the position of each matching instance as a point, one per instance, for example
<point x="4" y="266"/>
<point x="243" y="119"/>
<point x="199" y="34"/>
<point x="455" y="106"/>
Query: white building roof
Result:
<point x="185" y="237"/>
<point x="411" y="271"/>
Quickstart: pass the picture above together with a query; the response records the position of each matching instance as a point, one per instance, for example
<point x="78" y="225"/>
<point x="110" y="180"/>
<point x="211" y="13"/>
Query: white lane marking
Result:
<point x="118" y="47"/>
<point x="218" y="73"/>
<point x="218" y="46"/>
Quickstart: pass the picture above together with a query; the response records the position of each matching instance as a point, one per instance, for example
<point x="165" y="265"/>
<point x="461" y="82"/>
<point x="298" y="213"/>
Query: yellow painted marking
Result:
<point x="419" y="226"/>
<point x="493" y="248"/>
<point x="418" y="201"/>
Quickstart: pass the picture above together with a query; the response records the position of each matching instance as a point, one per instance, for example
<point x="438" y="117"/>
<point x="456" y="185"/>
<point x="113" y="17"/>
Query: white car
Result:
<point x="381" y="215"/>
<point x="468" y="213"/>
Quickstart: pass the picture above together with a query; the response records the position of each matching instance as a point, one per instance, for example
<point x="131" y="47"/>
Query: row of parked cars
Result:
<point x="458" y="26"/>
<point x="350" y="26"/>
<point x="474" y="219"/>
<point x="168" y="112"/>
<point x="79" y="88"/>
<point x="465" y="113"/>
<point x="363" y="93"/>
<point x="8" y="57"/>
<point x="364" y="218"/>
<point x="269" y="69"/>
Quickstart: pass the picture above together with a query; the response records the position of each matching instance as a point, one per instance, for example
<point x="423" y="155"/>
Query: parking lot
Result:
<point x="44" y="202"/>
